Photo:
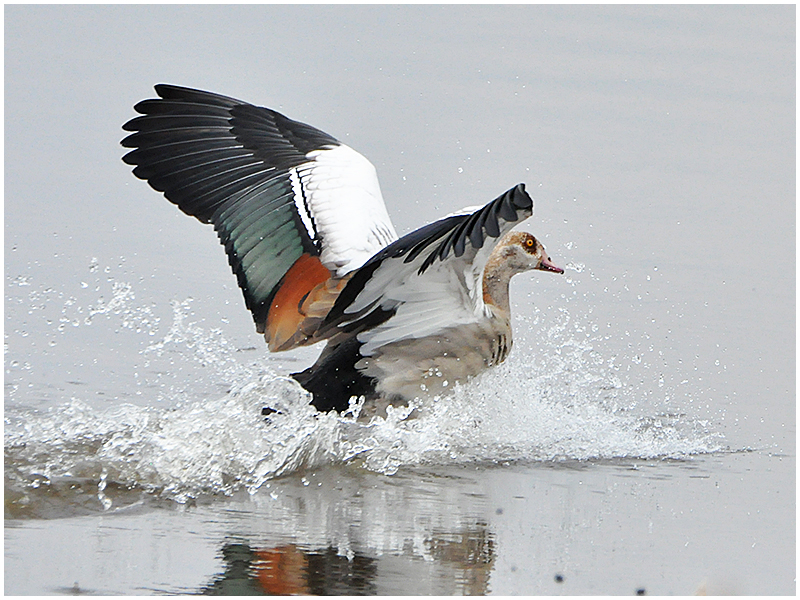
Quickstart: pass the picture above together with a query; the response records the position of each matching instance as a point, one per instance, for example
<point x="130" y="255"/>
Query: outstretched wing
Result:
<point x="292" y="205"/>
<point x="428" y="280"/>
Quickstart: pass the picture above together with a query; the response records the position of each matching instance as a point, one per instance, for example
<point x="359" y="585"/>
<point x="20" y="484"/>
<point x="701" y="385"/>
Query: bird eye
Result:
<point x="529" y="243"/>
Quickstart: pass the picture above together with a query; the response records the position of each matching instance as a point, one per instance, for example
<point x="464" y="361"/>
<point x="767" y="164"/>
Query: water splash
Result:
<point x="556" y="398"/>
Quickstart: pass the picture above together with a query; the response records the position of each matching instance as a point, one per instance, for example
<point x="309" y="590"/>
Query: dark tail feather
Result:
<point x="333" y="379"/>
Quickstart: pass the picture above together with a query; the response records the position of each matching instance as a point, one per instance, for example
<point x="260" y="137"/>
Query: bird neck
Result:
<point x="496" y="277"/>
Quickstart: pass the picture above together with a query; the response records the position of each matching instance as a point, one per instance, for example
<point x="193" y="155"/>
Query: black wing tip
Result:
<point x="177" y="93"/>
<point x="519" y="197"/>
<point x="482" y="223"/>
<point x="164" y="89"/>
<point x="128" y="159"/>
<point x="170" y="91"/>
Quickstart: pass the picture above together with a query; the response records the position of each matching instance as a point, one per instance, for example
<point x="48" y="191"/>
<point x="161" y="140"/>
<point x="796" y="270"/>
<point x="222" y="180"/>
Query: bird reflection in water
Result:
<point x="288" y="569"/>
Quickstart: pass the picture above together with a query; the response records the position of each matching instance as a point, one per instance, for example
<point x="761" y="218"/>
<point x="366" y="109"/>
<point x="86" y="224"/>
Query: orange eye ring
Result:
<point x="529" y="243"/>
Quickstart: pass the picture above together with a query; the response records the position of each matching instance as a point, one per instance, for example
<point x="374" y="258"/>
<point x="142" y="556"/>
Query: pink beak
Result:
<point x="546" y="265"/>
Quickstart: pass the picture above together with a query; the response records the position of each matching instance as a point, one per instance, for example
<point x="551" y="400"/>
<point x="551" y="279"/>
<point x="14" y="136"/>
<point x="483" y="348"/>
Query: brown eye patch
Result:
<point x="530" y="244"/>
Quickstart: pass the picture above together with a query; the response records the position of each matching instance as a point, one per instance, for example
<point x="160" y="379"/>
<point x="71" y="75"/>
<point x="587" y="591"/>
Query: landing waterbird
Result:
<point x="308" y="237"/>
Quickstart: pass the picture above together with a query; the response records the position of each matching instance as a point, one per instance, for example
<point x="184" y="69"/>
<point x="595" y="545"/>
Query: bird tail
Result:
<point x="334" y="379"/>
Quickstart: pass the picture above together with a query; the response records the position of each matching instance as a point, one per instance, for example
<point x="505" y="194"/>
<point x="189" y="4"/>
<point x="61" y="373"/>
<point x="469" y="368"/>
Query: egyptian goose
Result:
<point x="307" y="234"/>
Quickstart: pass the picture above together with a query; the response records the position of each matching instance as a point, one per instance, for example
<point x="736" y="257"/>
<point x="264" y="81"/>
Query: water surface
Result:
<point x="641" y="435"/>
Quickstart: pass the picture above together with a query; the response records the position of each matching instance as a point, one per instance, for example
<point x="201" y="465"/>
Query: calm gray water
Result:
<point x="641" y="437"/>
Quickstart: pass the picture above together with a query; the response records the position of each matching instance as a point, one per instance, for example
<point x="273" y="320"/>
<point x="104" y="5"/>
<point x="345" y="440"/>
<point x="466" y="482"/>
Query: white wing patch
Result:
<point x="425" y="304"/>
<point x="300" y="204"/>
<point x="343" y="205"/>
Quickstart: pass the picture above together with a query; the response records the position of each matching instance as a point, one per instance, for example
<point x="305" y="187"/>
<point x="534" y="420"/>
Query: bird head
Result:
<point x="523" y="252"/>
